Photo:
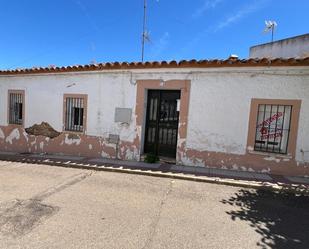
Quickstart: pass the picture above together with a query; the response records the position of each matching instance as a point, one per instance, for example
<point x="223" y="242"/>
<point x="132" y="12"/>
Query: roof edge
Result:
<point x="281" y="40"/>
<point x="231" y="62"/>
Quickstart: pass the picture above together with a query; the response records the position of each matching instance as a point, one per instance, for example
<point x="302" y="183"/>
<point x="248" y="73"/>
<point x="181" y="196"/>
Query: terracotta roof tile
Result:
<point x="231" y="62"/>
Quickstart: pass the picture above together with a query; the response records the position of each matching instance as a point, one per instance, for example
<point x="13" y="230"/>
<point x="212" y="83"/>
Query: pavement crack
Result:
<point x="19" y="217"/>
<point x="60" y="187"/>
<point x="157" y="217"/>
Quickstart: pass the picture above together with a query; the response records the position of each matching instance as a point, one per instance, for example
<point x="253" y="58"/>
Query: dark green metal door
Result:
<point x="162" y="122"/>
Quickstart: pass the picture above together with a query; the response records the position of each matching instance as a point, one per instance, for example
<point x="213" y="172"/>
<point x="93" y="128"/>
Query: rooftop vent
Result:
<point x="233" y="57"/>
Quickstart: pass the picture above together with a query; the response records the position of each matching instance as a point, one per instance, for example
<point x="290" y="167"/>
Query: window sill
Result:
<point x="269" y="154"/>
<point x="16" y="125"/>
<point x="74" y="132"/>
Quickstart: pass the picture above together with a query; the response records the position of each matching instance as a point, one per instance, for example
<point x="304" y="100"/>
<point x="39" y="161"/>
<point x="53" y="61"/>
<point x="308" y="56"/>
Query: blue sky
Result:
<point x="69" y="32"/>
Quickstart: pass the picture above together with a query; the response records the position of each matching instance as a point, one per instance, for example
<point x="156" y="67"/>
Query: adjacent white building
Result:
<point x="292" y="47"/>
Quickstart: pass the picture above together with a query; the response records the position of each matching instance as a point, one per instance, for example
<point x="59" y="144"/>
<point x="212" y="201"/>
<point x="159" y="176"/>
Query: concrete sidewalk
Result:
<point x="222" y="176"/>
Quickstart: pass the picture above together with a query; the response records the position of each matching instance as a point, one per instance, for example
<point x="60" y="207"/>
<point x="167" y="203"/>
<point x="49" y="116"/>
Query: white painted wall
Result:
<point x="294" y="47"/>
<point x="44" y="100"/>
<point x="220" y="106"/>
<point x="219" y="101"/>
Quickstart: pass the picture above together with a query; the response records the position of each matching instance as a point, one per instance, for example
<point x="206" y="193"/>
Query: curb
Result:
<point x="180" y="176"/>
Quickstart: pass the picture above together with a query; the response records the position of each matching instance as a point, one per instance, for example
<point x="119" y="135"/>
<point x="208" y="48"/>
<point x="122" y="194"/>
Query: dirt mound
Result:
<point x="43" y="129"/>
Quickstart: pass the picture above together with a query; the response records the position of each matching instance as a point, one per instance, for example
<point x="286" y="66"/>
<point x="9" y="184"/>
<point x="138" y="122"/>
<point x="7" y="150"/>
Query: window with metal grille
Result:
<point x="74" y="114"/>
<point x="273" y="128"/>
<point x="16" y="108"/>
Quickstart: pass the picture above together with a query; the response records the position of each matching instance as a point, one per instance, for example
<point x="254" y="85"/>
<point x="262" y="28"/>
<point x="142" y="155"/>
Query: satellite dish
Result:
<point x="270" y="26"/>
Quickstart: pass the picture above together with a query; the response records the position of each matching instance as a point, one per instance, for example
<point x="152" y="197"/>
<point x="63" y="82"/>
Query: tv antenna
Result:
<point x="270" y="26"/>
<point x="146" y="33"/>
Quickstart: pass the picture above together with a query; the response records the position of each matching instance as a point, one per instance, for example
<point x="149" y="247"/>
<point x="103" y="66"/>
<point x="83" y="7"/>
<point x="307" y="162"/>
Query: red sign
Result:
<point x="266" y="132"/>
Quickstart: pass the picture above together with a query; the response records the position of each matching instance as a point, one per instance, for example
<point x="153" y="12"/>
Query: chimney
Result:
<point x="233" y="57"/>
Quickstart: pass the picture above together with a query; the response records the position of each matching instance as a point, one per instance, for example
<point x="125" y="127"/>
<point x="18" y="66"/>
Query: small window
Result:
<point x="273" y="128"/>
<point x="75" y="113"/>
<point x="16" y="102"/>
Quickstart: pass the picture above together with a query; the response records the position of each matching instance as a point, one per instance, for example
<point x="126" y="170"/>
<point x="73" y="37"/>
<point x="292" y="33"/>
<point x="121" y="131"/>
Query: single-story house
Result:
<point x="250" y="115"/>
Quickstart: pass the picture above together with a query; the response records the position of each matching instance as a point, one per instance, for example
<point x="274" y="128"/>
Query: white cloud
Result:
<point x="88" y="16"/>
<point x="244" y="11"/>
<point x="208" y="4"/>
<point x="206" y="32"/>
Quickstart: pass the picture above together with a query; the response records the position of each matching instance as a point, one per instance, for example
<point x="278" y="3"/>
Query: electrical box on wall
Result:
<point x="123" y="115"/>
<point x="113" y="138"/>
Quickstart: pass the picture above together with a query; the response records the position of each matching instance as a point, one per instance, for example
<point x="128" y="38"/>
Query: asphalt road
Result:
<point x="53" y="207"/>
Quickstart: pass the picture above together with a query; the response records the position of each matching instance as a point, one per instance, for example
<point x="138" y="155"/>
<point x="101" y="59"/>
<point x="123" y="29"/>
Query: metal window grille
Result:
<point x="16" y="108"/>
<point x="74" y="116"/>
<point x="273" y="128"/>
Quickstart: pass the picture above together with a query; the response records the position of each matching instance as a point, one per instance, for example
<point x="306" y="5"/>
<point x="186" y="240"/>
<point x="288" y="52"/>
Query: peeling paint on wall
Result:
<point x="42" y="145"/>
<point x="13" y="135"/>
<point x="248" y="162"/>
<point x="105" y="155"/>
<point x="265" y="170"/>
<point x="277" y="160"/>
<point x="72" y="140"/>
<point x="25" y="135"/>
<point x="1" y="134"/>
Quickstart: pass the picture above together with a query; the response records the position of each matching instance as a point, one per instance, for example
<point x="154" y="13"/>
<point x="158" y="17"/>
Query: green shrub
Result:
<point x="151" y="158"/>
